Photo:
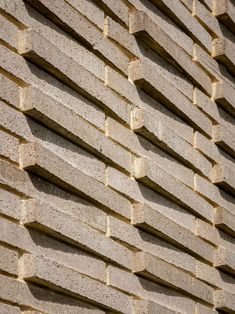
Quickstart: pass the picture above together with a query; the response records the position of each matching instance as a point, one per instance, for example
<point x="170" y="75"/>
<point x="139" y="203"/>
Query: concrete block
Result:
<point x="42" y="107"/>
<point x="9" y="309"/>
<point x="205" y="17"/>
<point x="10" y="204"/>
<point x="39" y="215"/>
<point x="156" y="269"/>
<point x="117" y="9"/>
<point x="223" y="51"/>
<point x="208" y="106"/>
<point x="9" y="146"/>
<point x="156" y="38"/>
<point x="214" y="277"/>
<point x="45" y="300"/>
<point x="182" y="17"/>
<point x="150" y="307"/>
<point x="159" y="180"/>
<point x="38" y="243"/>
<point x="8" y="32"/>
<point x="91" y="11"/>
<point x="40" y="160"/>
<point x="224" y="138"/>
<point x="225" y="220"/>
<point x="138" y="239"/>
<point x="224" y="301"/>
<point x="149" y="219"/>
<point x="225" y="259"/>
<point x="8" y="261"/>
<point x="224" y="10"/>
<point x="9" y="91"/>
<point x="157" y="132"/>
<point x="139" y="286"/>
<point x="207" y="232"/>
<point x="224" y="177"/>
<point x="143" y="74"/>
<point x="33" y="46"/>
<point x="224" y="95"/>
<point x="207" y="148"/>
<point x="48" y="272"/>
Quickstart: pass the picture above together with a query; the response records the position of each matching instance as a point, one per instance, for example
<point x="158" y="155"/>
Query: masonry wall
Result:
<point x="117" y="146"/>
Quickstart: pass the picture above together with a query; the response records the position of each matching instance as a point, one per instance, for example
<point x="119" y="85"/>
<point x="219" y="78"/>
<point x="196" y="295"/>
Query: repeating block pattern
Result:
<point x="117" y="147"/>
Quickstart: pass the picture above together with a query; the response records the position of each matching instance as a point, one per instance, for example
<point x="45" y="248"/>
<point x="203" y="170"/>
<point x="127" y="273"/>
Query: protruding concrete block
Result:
<point x="157" y="39"/>
<point x="223" y="51"/>
<point x="161" y="181"/>
<point x="225" y="220"/>
<point x="223" y="137"/>
<point x="224" y="177"/>
<point x="160" y="271"/>
<point x="225" y="259"/>
<point x="65" y="227"/>
<point x="224" y="301"/>
<point x="224" y="10"/>
<point x="224" y="94"/>
<point x="48" y="272"/>
<point x="144" y="75"/>
<point x="8" y="261"/>
<point x="150" y="220"/>
<point x="47" y="164"/>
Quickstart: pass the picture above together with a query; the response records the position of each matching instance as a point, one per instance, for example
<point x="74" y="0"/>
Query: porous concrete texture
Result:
<point x="117" y="147"/>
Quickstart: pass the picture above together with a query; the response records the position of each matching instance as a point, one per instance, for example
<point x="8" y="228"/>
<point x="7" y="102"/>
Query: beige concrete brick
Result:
<point x="142" y="147"/>
<point x="225" y="259"/>
<point x="72" y="21"/>
<point x="224" y="10"/>
<point x="224" y="177"/>
<point x="148" y="290"/>
<point x="117" y="9"/>
<point x="224" y="301"/>
<point x="9" y="146"/>
<point x="154" y="222"/>
<point x="207" y="232"/>
<point x="143" y="75"/>
<point x="8" y="261"/>
<point x="8" y="32"/>
<point x="90" y="10"/>
<point x="182" y="17"/>
<point x="142" y="25"/>
<point x="224" y="95"/>
<point x="163" y="136"/>
<point x="42" y="270"/>
<point x="42" y="107"/>
<point x="121" y="36"/>
<point x="139" y="193"/>
<point x="150" y="307"/>
<point x="9" y="91"/>
<point x="188" y="4"/>
<point x="9" y="309"/>
<point x="32" y="46"/>
<point x="223" y="51"/>
<point x="223" y="137"/>
<point x="30" y="186"/>
<point x="38" y="243"/>
<point x="39" y="215"/>
<point x="205" y="17"/>
<point x="208" y="106"/>
<point x="206" y="147"/>
<point x="45" y="300"/>
<point x="214" y="277"/>
<point x="160" y="271"/>
<point x="10" y="204"/>
<point x="17" y="66"/>
<point x="225" y="220"/>
<point x="141" y="240"/>
<point x="40" y="160"/>
<point x="156" y="178"/>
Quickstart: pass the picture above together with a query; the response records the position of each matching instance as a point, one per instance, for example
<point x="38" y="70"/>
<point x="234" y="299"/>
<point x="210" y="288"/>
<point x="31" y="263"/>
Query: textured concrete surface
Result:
<point x="117" y="147"/>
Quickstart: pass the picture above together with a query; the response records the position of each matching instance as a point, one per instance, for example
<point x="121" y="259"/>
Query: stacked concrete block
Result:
<point x="117" y="147"/>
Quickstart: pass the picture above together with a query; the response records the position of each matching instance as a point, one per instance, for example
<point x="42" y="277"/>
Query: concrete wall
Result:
<point x="117" y="145"/>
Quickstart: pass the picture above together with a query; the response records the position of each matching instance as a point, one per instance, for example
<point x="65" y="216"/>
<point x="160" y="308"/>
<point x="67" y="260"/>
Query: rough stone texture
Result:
<point x="117" y="147"/>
